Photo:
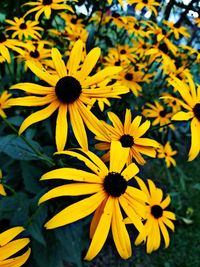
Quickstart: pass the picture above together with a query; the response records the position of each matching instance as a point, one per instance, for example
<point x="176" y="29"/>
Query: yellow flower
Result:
<point x="9" y="247"/>
<point x="68" y="91"/>
<point x="2" y="190"/>
<point x="120" y="1"/>
<point x="166" y="152"/>
<point x="110" y="192"/>
<point x="46" y="6"/>
<point x="191" y="97"/>
<point x="24" y="28"/>
<point x="6" y="44"/>
<point x="176" y="30"/>
<point x="4" y="103"/>
<point x="129" y="135"/>
<point x="157" y="217"/>
<point x="150" y="5"/>
<point x="160" y="114"/>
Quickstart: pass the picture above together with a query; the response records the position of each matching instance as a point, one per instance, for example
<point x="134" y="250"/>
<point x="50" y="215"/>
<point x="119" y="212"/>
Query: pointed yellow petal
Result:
<point x="33" y="88"/>
<point x="58" y="63"/>
<point x="10" y="234"/>
<point x="116" y="122"/>
<point x="170" y="215"/>
<point x="16" y="261"/>
<point x="164" y="233"/>
<point x="75" y="58"/>
<point x="61" y="127"/>
<point x="130" y="171"/>
<point x="182" y="116"/>
<point x="165" y="202"/>
<point x="127" y="121"/>
<point x="30" y="101"/>
<point x="195" y="139"/>
<point x="136" y="194"/>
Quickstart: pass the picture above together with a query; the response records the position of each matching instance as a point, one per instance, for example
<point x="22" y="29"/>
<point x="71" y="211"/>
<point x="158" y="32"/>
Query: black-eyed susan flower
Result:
<point x="166" y="152"/>
<point x="158" y="219"/>
<point x="191" y="97"/>
<point x="24" y="28"/>
<point x="110" y="193"/>
<point x="46" y="7"/>
<point x="159" y="113"/>
<point x="130" y="135"/>
<point x="68" y="92"/>
<point x="2" y="190"/>
<point x="150" y="5"/>
<point x="4" y="99"/>
<point x="6" y="44"/>
<point x="175" y="30"/>
<point x="10" y="246"/>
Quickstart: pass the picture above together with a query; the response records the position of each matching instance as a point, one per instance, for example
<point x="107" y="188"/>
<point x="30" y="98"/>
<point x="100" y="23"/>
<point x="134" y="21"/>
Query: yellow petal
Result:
<point x="136" y="194"/>
<point x="170" y="215"/>
<point x="33" y="88"/>
<point x="61" y="127"/>
<point x="164" y="233"/>
<point x="195" y="139"/>
<point x="182" y="116"/>
<point x="10" y="234"/>
<point x="16" y="261"/>
<point x="130" y="171"/>
<point x="116" y="122"/>
<point x="58" y="63"/>
<point x="118" y="156"/>
<point x="165" y="202"/>
<point x="75" y="58"/>
<point x="127" y="121"/>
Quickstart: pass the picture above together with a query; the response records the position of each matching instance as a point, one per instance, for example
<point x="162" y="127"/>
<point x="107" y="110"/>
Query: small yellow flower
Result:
<point x="166" y="152"/>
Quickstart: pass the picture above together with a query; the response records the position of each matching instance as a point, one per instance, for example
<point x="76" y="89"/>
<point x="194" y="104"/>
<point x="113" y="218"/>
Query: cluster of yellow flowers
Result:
<point x="71" y="84"/>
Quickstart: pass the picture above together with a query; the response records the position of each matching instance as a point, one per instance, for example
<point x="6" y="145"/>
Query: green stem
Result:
<point x="169" y="175"/>
<point x="37" y="152"/>
<point x="9" y="188"/>
<point x="156" y="128"/>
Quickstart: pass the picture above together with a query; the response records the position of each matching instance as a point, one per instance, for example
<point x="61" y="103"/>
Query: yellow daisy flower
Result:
<point x="6" y="44"/>
<point x="68" y="91"/>
<point x="2" y="190"/>
<point x="24" y="28"/>
<point x="110" y="192"/>
<point x="4" y="99"/>
<point x="191" y="97"/>
<point x="9" y="247"/>
<point x="45" y="6"/>
<point x="150" y="5"/>
<point x="157" y="217"/>
<point x="160" y="114"/>
<point x="129" y="135"/>
<point x="166" y="152"/>
<point x="177" y="31"/>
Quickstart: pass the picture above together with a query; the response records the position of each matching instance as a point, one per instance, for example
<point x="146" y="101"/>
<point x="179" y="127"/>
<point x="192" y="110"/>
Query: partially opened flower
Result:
<point x="166" y="152"/>
<point x="191" y="97"/>
<point x="158" y="219"/>
<point x="110" y="191"/>
<point x="46" y="7"/>
<point x="24" y="28"/>
<point x="4" y="103"/>
<point x="68" y="92"/>
<point x="130" y="135"/>
<point x="9" y="246"/>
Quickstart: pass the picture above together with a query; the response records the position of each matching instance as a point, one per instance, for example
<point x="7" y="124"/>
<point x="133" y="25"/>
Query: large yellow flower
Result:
<point x="191" y="97"/>
<point x="9" y="247"/>
<point x="129" y="135"/>
<point x="24" y="28"/>
<point x="157" y="217"/>
<point x="68" y="91"/>
<point x="46" y="6"/>
<point x="110" y="191"/>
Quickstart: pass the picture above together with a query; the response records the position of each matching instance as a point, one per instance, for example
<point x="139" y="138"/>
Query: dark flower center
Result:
<point x="47" y="2"/>
<point x="68" y="89"/>
<point x="163" y="48"/>
<point x="136" y="27"/>
<point x="23" y="26"/>
<point x="2" y="37"/>
<point x="34" y="54"/>
<point x="115" y="15"/>
<point x="123" y="51"/>
<point x="144" y="46"/>
<point x="145" y="1"/>
<point x="73" y="20"/>
<point x="126" y="140"/>
<point x="136" y="68"/>
<point x="115" y="184"/>
<point x="164" y="32"/>
<point x="196" y="111"/>
<point x="129" y="76"/>
<point x="117" y="63"/>
<point x="162" y="113"/>
<point x="156" y="211"/>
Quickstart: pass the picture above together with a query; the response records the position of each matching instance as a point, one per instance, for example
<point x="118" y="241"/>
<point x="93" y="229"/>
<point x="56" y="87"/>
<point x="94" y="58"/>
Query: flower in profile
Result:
<point x="9" y="247"/>
<point x="69" y="92"/>
<point x="4" y="103"/>
<point x="24" y="28"/>
<point x="129" y="135"/>
<point x="2" y="190"/>
<point x="6" y="44"/>
<point x="166" y="152"/>
<point x="157" y="217"/>
<point x="110" y="191"/>
<point x="191" y="103"/>
<point x="46" y="6"/>
<point x="159" y="112"/>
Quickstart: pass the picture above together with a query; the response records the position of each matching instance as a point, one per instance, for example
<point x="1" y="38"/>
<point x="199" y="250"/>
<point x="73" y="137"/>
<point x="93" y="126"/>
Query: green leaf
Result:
<point x="196" y="186"/>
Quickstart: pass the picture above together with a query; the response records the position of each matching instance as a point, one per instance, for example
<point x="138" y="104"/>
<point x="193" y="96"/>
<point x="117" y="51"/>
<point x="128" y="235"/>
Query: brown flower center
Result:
<point x="129" y="76"/>
<point x="196" y="111"/>
<point x="156" y="211"/>
<point x="47" y="2"/>
<point x="2" y="37"/>
<point x="115" y="184"/>
<point x="23" y="26"/>
<point x="126" y="140"/>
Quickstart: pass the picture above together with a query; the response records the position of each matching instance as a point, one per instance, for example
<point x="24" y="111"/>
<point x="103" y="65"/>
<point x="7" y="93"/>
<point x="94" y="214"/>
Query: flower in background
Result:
<point x="166" y="152"/>
<point x="110" y="191"/>
<point x="157" y="217"/>
<point x="2" y="190"/>
<point x="68" y="92"/>
<point x="4" y="103"/>
<point x="191" y="103"/>
<point x="177" y="31"/>
<point x="9" y="247"/>
<point x="160" y="114"/>
<point x="129" y="135"/>
<point x="46" y="6"/>
<point x="150" y="5"/>
<point x="24" y="28"/>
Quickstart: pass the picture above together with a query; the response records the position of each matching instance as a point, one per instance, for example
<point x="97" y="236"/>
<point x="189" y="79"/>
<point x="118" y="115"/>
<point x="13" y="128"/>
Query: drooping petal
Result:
<point x="58" y="63"/>
<point x="61" y="127"/>
<point x="164" y="233"/>
<point x="195" y="139"/>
